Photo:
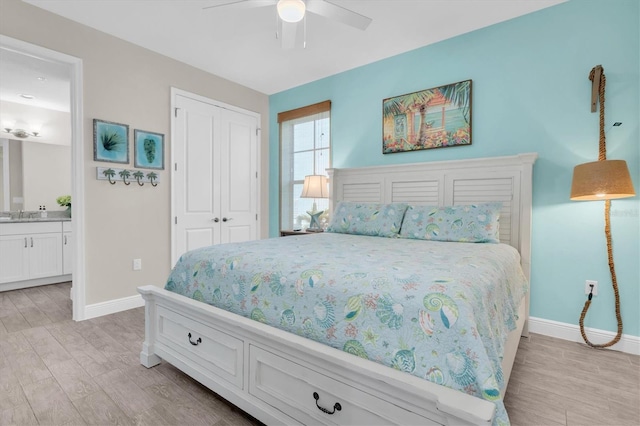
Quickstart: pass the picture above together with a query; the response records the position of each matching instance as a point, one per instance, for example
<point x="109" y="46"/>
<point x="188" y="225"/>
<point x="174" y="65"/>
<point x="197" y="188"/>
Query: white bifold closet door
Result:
<point x="215" y="174"/>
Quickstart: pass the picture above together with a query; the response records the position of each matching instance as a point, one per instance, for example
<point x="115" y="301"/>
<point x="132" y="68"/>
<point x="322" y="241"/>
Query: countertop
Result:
<point x="35" y="219"/>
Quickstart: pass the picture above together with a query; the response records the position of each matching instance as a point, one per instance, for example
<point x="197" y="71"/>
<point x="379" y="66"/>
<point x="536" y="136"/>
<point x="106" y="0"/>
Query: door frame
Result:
<point x="179" y="92"/>
<point x="5" y="203"/>
<point x="78" y="290"/>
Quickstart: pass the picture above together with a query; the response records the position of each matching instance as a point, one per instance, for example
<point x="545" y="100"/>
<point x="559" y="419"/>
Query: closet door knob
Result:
<point x="215" y="219"/>
<point x="224" y="219"/>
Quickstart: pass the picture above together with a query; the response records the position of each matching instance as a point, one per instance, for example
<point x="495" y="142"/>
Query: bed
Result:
<point x="314" y="378"/>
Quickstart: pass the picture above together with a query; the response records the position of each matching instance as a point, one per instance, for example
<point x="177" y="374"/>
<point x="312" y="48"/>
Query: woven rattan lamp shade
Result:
<point x="601" y="180"/>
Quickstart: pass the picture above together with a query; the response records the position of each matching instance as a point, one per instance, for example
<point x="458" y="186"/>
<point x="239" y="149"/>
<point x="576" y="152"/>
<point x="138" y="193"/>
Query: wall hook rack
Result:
<point x="110" y="173"/>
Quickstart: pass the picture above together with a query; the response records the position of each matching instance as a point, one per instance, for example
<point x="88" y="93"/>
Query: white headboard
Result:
<point x="446" y="183"/>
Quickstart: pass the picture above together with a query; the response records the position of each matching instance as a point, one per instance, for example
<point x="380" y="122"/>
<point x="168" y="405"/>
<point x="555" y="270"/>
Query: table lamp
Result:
<point x="315" y="186"/>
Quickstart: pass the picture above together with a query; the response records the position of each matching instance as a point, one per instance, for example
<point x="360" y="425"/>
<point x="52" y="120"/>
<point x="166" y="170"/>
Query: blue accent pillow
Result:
<point x="476" y="223"/>
<point x="374" y="219"/>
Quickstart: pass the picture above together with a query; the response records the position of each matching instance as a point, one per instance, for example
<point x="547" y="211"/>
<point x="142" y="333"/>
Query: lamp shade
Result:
<point x="291" y="10"/>
<point x="601" y="180"/>
<point x="315" y="186"/>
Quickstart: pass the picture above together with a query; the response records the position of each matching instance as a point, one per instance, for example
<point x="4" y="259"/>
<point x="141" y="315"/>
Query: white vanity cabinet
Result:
<point x="14" y="258"/>
<point x="31" y="253"/>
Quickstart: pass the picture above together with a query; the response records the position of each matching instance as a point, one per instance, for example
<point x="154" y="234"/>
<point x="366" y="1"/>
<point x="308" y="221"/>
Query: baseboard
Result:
<point x="629" y="344"/>
<point x="37" y="282"/>
<point x="112" y="306"/>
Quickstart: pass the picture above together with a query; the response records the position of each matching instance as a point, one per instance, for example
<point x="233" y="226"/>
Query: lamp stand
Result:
<point x="598" y="83"/>
<point x="315" y="186"/>
<point x="314" y="223"/>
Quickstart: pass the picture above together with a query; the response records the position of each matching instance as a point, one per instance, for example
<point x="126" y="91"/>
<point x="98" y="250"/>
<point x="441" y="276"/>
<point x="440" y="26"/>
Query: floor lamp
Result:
<point x="315" y="186"/>
<point x="602" y="180"/>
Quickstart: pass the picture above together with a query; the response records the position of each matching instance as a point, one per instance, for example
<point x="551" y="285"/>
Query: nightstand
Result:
<point x="288" y="233"/>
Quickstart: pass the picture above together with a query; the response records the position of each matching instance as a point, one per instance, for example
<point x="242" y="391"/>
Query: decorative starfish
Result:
<point x="315" y="223"/>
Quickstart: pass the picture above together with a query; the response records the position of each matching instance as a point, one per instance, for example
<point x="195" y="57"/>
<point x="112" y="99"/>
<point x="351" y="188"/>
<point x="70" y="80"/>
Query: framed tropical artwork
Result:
<point x="110" y="141"/>
<point x="149" y="150"/>
<point x="433" y="118"/>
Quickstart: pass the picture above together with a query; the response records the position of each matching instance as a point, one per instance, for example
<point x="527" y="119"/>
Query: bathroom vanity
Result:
<point x="34" y="252"/>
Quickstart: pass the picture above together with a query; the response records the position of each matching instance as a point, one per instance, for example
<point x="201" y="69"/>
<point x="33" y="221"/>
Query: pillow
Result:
<point x="374" y="219"/>
<point x="476" y="223"/>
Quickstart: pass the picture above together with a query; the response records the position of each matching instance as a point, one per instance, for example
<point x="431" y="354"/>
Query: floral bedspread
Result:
<point x="437" y="310"/>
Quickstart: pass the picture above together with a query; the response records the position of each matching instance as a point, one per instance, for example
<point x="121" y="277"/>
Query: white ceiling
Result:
<point x="241" y="45"/>
<point x="48" y="83"/>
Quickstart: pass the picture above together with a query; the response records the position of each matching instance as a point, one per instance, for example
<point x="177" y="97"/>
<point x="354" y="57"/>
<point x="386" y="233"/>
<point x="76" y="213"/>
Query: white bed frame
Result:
<point x="281" y="378"/>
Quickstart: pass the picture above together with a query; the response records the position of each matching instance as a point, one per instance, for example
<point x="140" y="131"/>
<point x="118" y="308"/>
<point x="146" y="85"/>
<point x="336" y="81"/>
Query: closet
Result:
<point x="215" y="153"/>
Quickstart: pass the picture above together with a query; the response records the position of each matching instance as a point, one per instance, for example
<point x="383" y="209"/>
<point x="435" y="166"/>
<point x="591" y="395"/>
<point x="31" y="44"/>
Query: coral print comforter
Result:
<point x="438" y="310"/>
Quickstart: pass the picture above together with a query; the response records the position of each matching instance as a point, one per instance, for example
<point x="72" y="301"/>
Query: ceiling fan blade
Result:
<point x="338" y="13"/>
<point x="288" y="34"/>
<point x="242" y="4"/>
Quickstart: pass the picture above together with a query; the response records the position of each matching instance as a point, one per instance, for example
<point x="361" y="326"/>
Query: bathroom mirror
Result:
<point x="33" y="174"/>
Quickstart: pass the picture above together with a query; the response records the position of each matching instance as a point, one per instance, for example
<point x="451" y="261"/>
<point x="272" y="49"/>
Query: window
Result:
<point x="305" y="149"/>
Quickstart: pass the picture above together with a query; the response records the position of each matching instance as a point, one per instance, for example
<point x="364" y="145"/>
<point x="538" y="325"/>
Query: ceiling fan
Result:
<point x="291" y="12"/>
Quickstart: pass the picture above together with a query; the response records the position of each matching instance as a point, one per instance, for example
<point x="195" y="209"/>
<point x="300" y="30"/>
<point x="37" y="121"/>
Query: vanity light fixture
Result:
<point x="21" y="133"/>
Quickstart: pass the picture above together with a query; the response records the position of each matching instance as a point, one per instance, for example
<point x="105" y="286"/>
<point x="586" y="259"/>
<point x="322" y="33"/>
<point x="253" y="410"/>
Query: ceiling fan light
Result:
<point x="291" y="10"/>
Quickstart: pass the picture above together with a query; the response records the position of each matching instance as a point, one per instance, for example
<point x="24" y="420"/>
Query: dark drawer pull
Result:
<point x="336" y="406"/>
<point x="196" y="343"/>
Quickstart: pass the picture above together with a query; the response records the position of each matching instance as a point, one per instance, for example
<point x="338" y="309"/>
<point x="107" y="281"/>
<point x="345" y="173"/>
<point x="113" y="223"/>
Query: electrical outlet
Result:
<point x="587" y="287"/>
<point x="137" y="264"/>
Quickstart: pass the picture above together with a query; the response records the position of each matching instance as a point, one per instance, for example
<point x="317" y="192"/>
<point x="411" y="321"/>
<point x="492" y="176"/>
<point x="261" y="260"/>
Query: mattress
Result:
<point x="438" y="310"/>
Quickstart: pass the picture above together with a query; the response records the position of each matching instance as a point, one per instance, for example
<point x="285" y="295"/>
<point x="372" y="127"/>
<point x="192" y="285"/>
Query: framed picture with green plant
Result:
<point x="148" y="149"/>
<point x="110" y="141"/>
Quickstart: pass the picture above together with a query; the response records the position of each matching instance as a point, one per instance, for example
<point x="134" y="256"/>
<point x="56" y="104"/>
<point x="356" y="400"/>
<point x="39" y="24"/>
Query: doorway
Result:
<point x="74" y="67"/>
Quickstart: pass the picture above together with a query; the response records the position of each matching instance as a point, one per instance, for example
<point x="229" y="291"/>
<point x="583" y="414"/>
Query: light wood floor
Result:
<point x="54" y="371"/>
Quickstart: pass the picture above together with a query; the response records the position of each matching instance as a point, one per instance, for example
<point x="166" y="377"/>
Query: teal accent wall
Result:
<point x="531" y="93"/>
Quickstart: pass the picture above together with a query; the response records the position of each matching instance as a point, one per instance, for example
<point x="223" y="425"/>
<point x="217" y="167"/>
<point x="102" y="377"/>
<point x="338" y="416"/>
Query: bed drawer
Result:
<point x="292" y="388"/>
<point x="213" y="350"/>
